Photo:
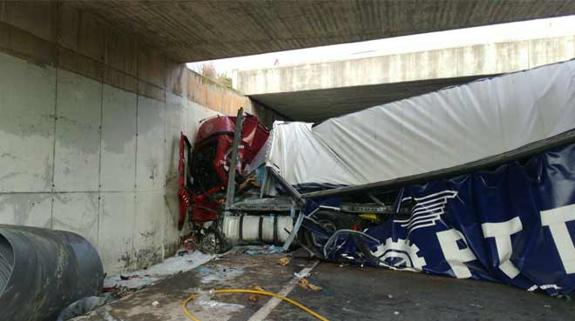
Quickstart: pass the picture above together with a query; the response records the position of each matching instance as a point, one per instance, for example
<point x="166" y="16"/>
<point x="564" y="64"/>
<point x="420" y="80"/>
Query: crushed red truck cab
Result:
<point x="218" y="133"/>
<point x="205" y="178"/>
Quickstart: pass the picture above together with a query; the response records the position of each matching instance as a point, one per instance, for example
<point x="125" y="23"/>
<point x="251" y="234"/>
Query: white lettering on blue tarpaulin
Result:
<point x="502" y="232"/>
<point x="554" y="219"/>
<point x="427" y="210"/>
<point x="455" y="256"/>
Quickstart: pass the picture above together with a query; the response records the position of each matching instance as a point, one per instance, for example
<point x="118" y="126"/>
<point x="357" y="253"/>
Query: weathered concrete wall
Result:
<point x="485" y="59"/>
<point x="80" y="155"/>
<point x="89" y="125"/>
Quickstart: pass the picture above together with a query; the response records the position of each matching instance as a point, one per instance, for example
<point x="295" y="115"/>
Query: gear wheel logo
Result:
<point x="399" y="255"/>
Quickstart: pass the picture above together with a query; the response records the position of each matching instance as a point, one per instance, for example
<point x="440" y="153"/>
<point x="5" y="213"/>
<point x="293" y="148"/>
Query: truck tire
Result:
<point x="331" y="221"/>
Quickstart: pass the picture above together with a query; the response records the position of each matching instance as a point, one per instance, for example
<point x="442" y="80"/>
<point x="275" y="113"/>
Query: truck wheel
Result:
<point x="331" y="221"/>
<point x="213" y="241"/>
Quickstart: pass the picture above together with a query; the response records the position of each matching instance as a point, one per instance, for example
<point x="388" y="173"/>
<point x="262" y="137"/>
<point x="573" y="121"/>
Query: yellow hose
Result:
<point x="190" y="316"/>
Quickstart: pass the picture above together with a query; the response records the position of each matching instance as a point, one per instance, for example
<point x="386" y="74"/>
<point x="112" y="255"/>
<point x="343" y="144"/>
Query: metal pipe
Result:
<point x="43" y="271"/>
<point x="290" y="189"/>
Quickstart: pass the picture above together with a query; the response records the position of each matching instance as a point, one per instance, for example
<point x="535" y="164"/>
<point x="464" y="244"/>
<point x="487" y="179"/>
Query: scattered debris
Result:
<point x="259" y="250"/>
<point x="84" y="306"/>
<point x="179" y="264"/>
<point x="122" y="285"/>
<point x="305" y="284"/>
<point x="350" y="310"/>
<point x="207" y="308"/>
<point x="184" y="261"/>
<point x="190" y="244"/>
<point x="221" y="275"/>
<point x="284" y="261"/>
<point x="253" y="298"/>
<point x="302" y="274"/>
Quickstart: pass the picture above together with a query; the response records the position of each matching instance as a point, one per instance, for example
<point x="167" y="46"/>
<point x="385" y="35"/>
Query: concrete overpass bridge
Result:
<point x="316" y="91"/>
<point x="203" y="29"/>
<point x="187" y="31"/>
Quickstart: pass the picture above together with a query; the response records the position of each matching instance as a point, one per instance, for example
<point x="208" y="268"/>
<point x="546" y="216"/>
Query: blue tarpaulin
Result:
<point x="514" y="224"/>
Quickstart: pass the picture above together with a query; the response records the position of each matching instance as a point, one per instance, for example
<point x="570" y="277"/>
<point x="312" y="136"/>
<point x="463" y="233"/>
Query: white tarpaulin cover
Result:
<point x="435" y="131"/>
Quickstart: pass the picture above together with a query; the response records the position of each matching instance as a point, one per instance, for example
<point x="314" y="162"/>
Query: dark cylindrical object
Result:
<point x="42" y="271"/>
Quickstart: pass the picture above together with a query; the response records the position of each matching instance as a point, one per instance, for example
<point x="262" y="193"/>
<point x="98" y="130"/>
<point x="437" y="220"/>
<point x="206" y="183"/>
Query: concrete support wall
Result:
<point x="484" y="59"/>
<point x="80" y="155"/>
<point x="89" y="126"/>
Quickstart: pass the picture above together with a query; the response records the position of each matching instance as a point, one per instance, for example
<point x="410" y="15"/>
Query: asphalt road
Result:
<point x="348" y="293"/>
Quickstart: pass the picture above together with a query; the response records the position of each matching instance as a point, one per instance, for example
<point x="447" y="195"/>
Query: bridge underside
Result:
<point x="205" y="29"/>
<point x="318" y="105"/>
